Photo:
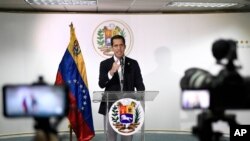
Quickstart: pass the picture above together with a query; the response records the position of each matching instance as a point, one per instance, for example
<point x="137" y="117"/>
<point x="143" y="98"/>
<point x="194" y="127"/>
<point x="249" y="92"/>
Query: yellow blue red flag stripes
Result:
<point x="72" y="72"/>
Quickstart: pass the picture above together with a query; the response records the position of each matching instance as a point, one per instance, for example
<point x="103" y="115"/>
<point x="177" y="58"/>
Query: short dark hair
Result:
<point x="117" y="37"/>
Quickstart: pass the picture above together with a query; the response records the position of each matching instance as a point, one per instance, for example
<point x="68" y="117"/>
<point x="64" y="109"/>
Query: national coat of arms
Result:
<point x="105" y="31"/>
<point x="76" y="48"/>
<point x="126" y="116"/>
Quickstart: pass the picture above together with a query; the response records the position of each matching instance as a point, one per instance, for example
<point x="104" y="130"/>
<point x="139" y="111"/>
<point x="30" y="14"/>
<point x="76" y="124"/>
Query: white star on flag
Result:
<point x="84" y="103"/>
<point x="85" y="97"/>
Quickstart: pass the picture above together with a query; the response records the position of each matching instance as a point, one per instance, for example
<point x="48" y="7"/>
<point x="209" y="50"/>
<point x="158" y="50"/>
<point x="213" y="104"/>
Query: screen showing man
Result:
<point x="39" y="101"/>
<point x="195" y="99"/>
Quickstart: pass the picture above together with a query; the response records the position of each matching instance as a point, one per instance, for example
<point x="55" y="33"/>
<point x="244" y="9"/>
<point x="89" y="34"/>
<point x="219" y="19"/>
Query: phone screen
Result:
<point x="34" y="101"/>
<point x="195" y="99"/>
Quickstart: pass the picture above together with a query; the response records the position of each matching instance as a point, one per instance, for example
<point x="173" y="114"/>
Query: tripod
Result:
<point x="46" y="130"/>
<point x="204" y="129"/>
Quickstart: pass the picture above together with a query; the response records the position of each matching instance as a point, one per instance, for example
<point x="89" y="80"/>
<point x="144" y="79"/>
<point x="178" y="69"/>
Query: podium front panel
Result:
<point x="113" y="96"/>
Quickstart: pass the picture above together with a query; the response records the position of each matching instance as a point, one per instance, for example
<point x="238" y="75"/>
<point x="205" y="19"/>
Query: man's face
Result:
<point x="118" y="48"/>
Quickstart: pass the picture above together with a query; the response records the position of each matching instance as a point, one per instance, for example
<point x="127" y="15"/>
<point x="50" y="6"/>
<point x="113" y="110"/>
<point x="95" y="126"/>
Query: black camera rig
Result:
<point x="227" y="90"/>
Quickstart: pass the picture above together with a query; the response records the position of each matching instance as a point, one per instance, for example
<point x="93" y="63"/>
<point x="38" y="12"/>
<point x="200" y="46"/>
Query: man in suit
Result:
<point x="118" y="73"/>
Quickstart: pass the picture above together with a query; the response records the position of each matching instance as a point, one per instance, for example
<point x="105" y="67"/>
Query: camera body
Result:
<point x="227" y="90"/>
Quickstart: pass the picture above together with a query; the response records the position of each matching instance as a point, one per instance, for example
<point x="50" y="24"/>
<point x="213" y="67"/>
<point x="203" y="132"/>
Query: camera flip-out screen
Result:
<point x="195" y="99"/>
<point x="34" y="101"/>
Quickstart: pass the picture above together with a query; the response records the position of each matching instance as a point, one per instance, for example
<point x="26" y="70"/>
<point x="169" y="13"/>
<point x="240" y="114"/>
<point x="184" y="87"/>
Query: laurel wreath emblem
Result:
<point x="105" y="31"/>
<point x="127" y="128"/>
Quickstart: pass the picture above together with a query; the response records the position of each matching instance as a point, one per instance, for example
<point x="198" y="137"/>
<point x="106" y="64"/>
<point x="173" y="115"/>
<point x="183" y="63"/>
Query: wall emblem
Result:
<point x="107" y="29"/>
<point x="126" y="116"/>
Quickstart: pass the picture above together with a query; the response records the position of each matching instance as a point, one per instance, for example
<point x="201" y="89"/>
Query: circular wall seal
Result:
<point x="126" y="116"/>
<point x="105" y="31"/>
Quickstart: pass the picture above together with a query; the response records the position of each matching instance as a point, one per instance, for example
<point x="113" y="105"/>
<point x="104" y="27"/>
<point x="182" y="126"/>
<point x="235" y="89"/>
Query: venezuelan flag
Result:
<point x="72" y="72"/>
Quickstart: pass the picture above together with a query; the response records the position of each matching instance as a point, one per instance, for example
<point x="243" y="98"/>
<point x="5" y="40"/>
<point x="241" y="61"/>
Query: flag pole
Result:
<point x="70" y="128"/>
<point x="70" y="133"/>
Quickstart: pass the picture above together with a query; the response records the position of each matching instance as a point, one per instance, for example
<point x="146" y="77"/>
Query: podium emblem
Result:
<point x="126" y="116"/>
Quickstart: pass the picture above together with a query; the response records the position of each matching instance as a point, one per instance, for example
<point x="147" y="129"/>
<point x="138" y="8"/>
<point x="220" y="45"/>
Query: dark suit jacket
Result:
<point x="132" y="78"/>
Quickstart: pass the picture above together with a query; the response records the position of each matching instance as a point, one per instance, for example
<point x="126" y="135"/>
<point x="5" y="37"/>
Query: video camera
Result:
<point x="40" y="101"/>
<point x="215" y="94"/>
<point x="227" y="90"/>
